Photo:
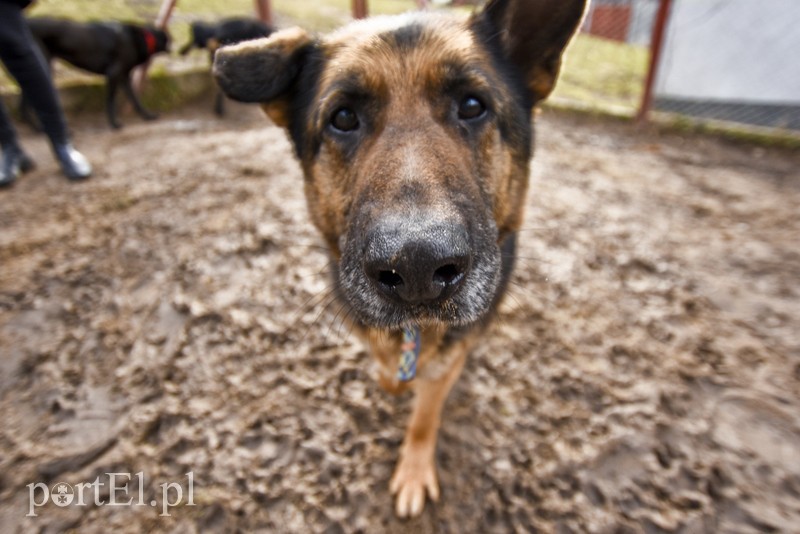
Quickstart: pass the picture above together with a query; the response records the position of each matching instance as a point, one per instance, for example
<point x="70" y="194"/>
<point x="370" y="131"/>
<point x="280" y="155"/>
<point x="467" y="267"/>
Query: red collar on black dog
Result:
<point x="150" y="41"/>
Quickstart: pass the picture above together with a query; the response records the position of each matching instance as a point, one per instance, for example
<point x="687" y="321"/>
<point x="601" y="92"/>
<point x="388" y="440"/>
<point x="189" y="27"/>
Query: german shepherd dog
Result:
<point x="414" y="135"/>
<point x="221" y="33"/>
<point x="112" y="49"/>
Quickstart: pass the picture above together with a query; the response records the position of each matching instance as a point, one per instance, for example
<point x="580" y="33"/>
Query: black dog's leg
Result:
<point x="134" y="98"/>
<point x="219" y="98"/>
<point x="219" y="104"/>
<point x="112" y="85"/>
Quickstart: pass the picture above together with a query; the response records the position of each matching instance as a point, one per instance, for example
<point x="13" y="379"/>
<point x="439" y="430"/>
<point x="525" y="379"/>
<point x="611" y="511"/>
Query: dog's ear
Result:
<point x="532" y="35"/>
<point x="264" y="70"/>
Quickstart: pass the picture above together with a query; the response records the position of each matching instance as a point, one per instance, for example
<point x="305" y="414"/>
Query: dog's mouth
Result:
<point x="402" y="273"/>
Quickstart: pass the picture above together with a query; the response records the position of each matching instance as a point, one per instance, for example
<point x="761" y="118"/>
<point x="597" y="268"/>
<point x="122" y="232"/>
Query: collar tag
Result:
<point x="409" y="353"/>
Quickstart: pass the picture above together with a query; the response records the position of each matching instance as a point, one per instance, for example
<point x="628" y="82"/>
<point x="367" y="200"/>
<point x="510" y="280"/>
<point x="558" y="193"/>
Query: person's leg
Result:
<point x="25" y="63"/>
<point x="14" y="160"/>
<point x="8" y="135"/>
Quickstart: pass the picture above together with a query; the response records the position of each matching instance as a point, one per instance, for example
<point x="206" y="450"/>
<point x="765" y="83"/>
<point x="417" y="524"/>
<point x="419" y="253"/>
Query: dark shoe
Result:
<point x="73" y="164"/>
<point x="14" y="163"/>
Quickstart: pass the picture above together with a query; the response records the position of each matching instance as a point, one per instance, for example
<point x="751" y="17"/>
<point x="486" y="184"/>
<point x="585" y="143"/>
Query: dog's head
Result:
<point x="163" y="39"/>
<point x="414" y="134"/>
<point x="201" y="32"/>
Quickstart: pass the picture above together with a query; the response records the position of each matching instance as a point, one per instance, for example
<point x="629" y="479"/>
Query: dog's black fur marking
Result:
<point x="405" y="38"/>
<point x="252" y="88"/>
<point x="305" y="88"/>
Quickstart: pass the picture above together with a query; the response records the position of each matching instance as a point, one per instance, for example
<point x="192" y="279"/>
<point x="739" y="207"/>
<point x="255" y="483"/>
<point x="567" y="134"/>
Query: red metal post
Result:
<point x="359" y="9"/>
<point x="264" y="10"/>
<point x="656" y="43"/>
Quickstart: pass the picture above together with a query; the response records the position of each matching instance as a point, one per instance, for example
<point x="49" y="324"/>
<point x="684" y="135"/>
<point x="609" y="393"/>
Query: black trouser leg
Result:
<point x="8" y="136"/>
<point x="25" y="63"/>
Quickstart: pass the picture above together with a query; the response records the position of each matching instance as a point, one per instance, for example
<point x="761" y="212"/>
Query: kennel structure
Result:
<point x="731" y="60"/>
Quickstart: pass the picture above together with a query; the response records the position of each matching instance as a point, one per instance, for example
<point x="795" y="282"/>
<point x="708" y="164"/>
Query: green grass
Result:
<point x="90" y="9"/>
<point x="601" y="73"/>
<point x="328" y="14"/>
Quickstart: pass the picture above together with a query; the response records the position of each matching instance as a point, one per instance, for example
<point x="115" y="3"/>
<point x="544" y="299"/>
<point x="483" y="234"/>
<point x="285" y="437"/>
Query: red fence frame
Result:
<point x="656" y="43"/>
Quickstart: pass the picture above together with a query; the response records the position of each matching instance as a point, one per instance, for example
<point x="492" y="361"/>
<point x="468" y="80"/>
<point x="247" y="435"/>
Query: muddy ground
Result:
<point x="172" y="315"/>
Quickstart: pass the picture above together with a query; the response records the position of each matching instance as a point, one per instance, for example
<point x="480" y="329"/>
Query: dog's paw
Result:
<point x="414" y="476"/>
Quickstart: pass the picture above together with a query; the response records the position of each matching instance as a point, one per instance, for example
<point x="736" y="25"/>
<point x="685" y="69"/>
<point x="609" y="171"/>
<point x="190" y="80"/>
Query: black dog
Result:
<point x="211" y="36"/>
<point x="112" y="49"/>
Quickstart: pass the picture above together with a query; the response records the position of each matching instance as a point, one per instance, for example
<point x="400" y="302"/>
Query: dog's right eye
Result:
<point x="344" y="120"/>
<point x="470" y="108"/>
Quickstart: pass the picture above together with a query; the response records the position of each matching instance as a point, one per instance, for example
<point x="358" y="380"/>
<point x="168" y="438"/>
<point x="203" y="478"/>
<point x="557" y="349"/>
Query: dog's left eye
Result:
<point x="470" y="108"/>
<point x="344" y="120"/>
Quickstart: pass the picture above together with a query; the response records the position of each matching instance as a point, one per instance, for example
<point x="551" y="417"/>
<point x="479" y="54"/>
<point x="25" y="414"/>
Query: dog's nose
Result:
<point x="417" y="263"/>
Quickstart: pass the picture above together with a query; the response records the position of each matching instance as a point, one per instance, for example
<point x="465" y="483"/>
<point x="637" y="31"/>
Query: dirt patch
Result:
<point x="173" y="315"/>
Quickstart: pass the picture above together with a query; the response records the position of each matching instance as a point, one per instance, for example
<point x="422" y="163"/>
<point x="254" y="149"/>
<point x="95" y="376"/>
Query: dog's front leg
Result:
<point x="112" y="85"/>
<point x="415" y="473"/>
<point x="219" y="104"/>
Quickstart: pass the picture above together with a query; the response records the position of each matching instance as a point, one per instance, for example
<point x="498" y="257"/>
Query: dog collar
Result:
<point x="409" y="354"/>
<point x="150" y="42"/>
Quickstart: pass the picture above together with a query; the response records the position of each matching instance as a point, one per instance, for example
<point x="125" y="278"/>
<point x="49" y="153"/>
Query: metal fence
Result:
<point x="607" y="63"/>
<point x="732" y="60"/>
<point x="727" y="61"/>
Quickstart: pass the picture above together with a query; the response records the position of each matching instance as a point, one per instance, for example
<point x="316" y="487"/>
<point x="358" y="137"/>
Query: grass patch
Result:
<point x="93" y="10"/>
<point x="599" y="72"/>
<point x="731" y="131"/>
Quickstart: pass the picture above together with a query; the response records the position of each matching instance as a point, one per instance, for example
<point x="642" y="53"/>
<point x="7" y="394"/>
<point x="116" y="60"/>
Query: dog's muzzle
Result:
<point x="400" y="270"/>
<point x="417" y="262"/>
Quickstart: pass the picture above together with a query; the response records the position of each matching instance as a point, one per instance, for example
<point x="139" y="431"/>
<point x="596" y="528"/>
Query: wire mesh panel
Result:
<point x="732" y="60"/>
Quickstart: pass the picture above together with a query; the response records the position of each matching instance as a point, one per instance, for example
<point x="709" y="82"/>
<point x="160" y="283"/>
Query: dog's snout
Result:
<point x="417" y="264"/>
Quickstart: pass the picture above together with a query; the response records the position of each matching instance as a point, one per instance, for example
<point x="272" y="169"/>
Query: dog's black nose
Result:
<point x="417" y="263"/>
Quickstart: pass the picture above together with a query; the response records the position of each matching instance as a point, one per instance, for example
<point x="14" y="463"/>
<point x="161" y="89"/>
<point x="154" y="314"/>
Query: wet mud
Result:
<point x="173" y="315"/>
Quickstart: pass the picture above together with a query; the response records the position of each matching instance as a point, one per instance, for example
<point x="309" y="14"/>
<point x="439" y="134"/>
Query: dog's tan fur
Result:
<point x="414" y="155"/>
